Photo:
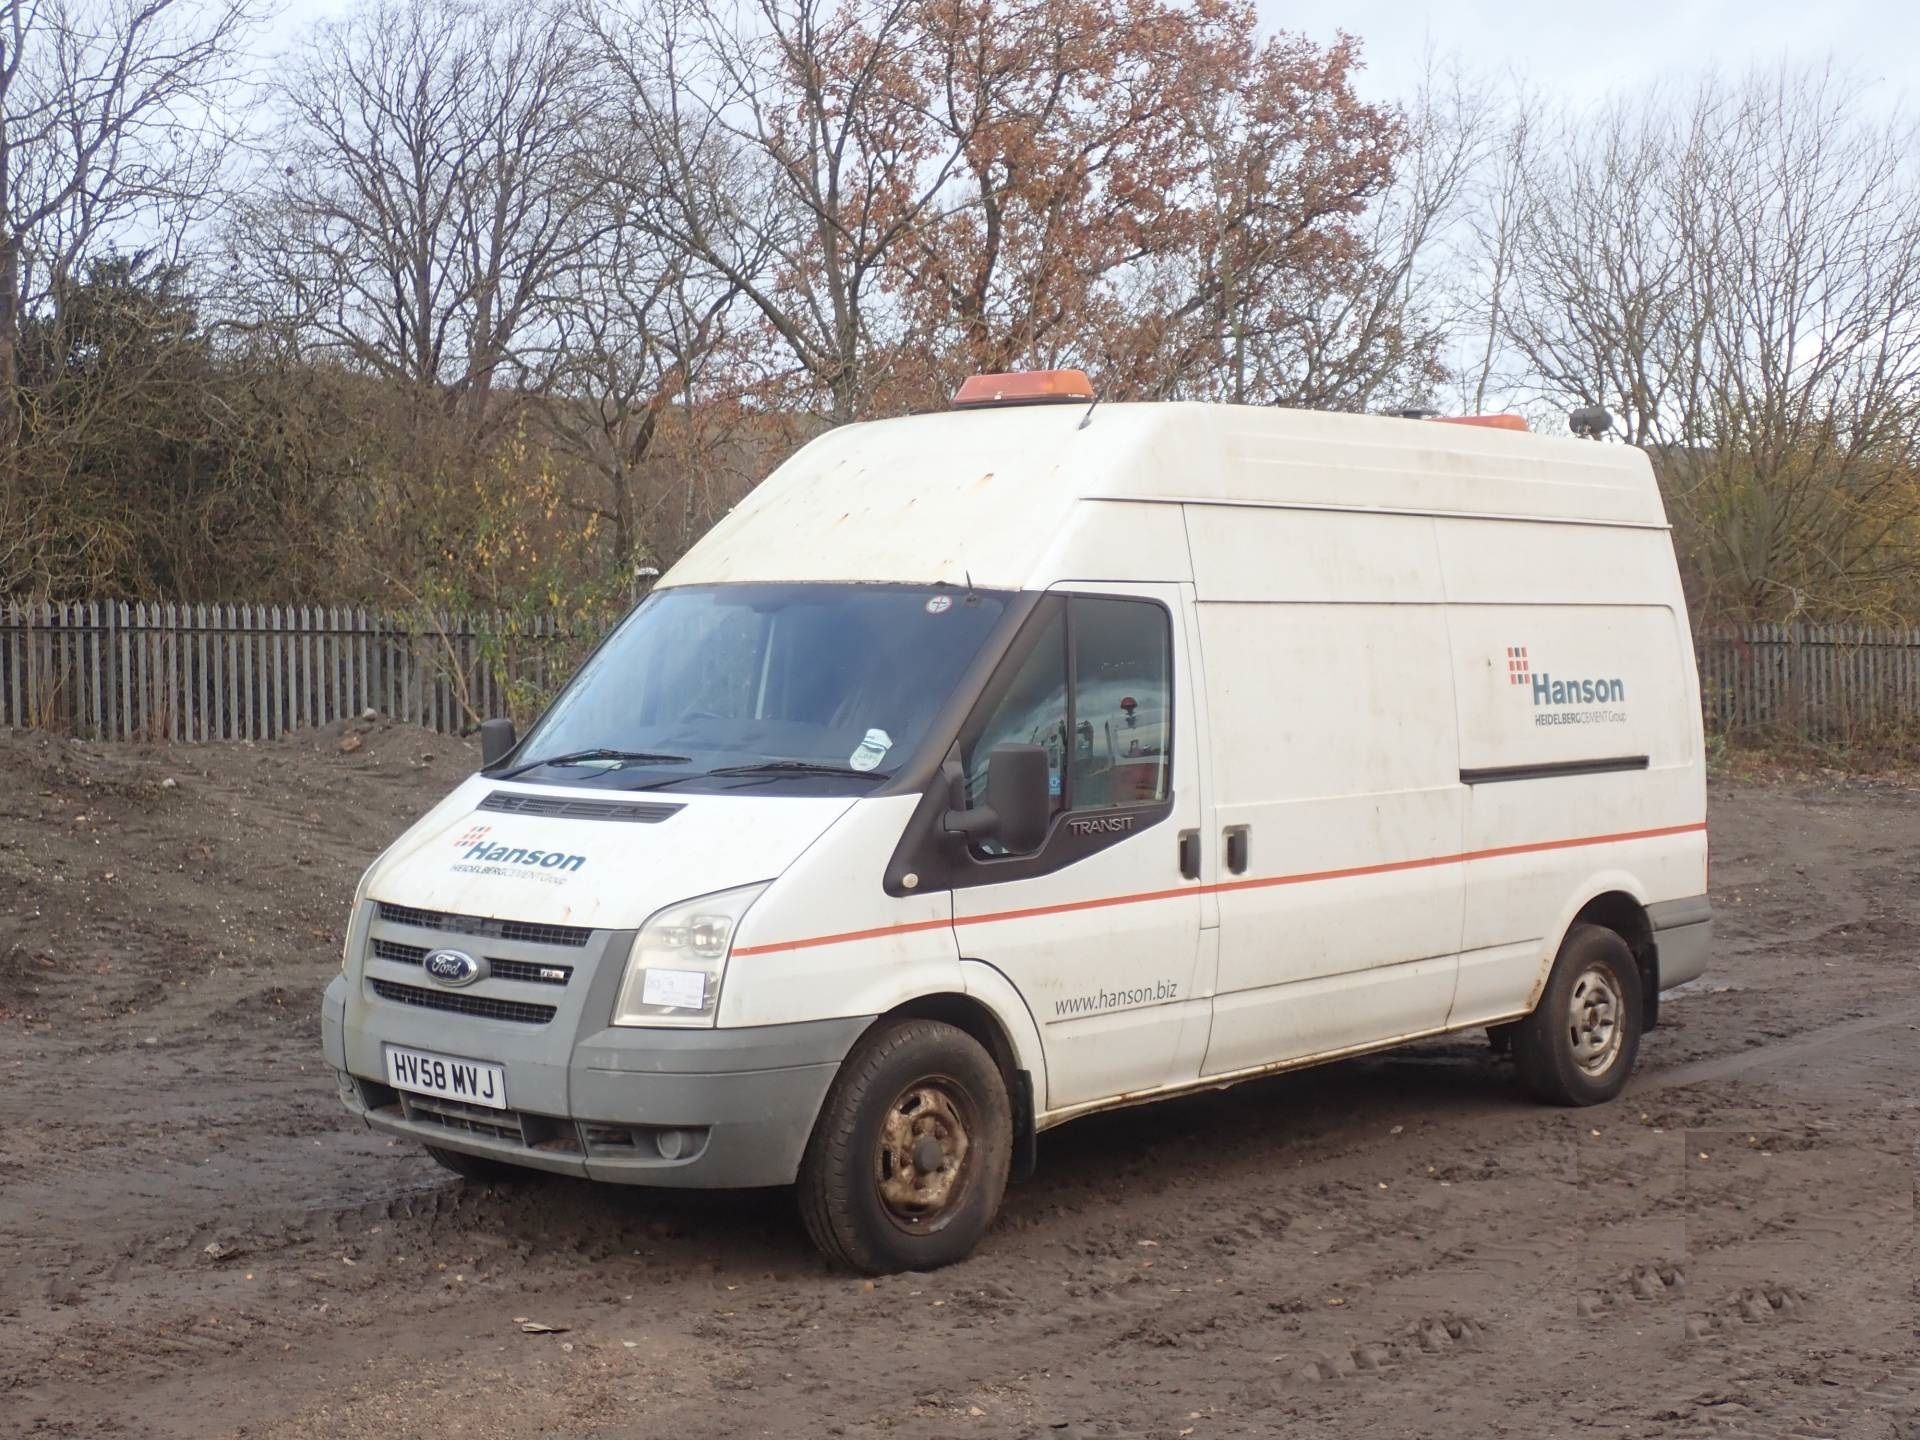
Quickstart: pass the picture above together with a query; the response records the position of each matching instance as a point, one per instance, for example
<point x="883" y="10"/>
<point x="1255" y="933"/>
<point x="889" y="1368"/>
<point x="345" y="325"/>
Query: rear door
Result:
<point x="1100" y="929"/>
<point x="1578" y="739"/>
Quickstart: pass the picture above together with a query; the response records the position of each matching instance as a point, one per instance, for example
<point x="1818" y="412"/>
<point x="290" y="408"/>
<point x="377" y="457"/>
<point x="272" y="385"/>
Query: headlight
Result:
<point x="678" y="958"/>
<point x="359" y="899"/>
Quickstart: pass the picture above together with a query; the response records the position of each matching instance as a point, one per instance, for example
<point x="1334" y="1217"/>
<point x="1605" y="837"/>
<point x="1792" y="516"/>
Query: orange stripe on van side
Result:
<point x="1222" y="887"/>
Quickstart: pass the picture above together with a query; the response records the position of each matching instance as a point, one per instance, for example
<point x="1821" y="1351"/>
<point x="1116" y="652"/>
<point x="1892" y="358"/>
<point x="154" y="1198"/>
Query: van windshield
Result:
<point x="791" y="687"/>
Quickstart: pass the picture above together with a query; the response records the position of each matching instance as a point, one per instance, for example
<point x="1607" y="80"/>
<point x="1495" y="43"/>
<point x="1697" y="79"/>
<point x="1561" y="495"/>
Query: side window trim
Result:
<point x="1032" y="633"/>
<point x="927" y="858"/>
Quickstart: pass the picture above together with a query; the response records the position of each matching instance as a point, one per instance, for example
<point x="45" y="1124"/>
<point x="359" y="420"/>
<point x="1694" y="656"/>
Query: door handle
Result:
<point x="1239" y="848"/>
<point x="1190" y="854"/>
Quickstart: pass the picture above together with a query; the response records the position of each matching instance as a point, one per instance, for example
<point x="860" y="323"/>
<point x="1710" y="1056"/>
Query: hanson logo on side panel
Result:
<point x="1557" y="700"/>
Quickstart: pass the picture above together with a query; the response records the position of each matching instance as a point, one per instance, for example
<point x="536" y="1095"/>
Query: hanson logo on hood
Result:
<point x="485" y="855"/>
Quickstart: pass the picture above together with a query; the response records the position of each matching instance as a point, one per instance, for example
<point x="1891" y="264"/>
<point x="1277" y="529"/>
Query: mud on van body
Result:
<point x="985" y="769"/>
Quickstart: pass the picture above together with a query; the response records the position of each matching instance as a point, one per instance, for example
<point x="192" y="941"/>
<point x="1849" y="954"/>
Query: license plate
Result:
<point x="429" y="1074"/>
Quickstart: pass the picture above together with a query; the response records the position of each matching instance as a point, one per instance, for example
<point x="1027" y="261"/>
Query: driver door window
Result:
<point x="1108" y="734"/>
<point x="1029" y="709"/>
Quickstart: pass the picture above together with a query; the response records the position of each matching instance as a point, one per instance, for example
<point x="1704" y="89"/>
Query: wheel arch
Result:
<point x="1010" y="1039"/>
<point x="1615" y="902"/>
<point x="963" y="1012"/>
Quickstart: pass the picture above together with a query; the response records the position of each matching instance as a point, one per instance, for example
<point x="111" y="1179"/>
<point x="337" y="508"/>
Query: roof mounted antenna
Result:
<point x="1087" y="419"/>
<point x="1590" y="422"/>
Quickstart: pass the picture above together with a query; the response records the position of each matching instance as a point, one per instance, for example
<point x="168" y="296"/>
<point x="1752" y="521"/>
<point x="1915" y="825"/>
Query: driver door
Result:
<point x="1100" y="928"/>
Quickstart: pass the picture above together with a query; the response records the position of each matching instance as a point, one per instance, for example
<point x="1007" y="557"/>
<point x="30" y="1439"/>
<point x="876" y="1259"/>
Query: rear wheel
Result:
<point x="910" y="1155"/>
<point x="1579" y="1044"/>
<point x="479" y="1169"/>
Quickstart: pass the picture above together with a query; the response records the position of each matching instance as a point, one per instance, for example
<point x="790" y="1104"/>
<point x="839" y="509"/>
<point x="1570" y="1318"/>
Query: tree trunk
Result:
<point x="9" y="307"/>
<point x="9" y="332"/>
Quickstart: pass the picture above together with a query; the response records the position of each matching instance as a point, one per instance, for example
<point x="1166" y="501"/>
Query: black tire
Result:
<point x="1579" y="1044"/>
<point x="874" y="1196"/>
<point x="478" y="1169"/>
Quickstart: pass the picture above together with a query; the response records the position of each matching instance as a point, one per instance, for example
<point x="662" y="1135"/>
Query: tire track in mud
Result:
<point x="1246" y="1326"/>
<point x="1171" y="1319"/>
<point x="1117" y="1310"/>
<point x="1262" y="1210"/>
<point x="1769" y="1054"/>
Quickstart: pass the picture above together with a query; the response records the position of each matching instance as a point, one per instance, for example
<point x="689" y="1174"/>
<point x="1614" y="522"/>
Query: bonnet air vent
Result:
<point x="559" y="807"/>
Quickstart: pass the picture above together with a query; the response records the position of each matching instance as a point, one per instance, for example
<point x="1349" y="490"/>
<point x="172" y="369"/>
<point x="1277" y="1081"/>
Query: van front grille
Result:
<point x="483" y="1006"/>
<point x="571" y="935"/>
<point x="499" y="969"/>
<point x="458" y="1115"/>
<point x="541" y="1134"/>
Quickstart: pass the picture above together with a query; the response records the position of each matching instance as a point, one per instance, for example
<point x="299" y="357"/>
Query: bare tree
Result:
<point x="1371" y="327"/>
<point x="110" y="125"/>
<point x="1494" y="223"/>
<point x="640" y="337"/>
<point x="429" y="196"/>
<point x="791" y="161"/>
<point x="1736" y="273"/>
<point x="1288" y="217"/>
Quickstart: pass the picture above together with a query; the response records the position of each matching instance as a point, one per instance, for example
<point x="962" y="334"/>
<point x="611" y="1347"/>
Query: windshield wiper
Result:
<point x="582" y="757"/>
<point x="777" y="768"/>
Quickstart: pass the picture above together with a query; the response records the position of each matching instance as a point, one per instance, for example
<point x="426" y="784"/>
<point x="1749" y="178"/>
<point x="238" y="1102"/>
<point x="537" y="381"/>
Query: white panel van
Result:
<point x="986" y="769"/>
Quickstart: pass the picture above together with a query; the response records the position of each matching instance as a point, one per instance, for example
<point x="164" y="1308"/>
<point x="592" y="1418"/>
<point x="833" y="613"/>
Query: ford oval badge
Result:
<point x="453" y="968"/>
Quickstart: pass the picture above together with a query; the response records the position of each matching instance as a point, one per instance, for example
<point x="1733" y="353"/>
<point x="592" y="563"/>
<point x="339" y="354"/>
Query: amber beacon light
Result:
<point x="1487" y="422"/>
<point x="1025" y="387"/>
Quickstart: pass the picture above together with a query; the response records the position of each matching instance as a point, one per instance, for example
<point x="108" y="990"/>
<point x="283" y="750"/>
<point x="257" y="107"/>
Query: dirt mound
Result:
<point x="373" y="741"/>
<point x="136" y="879"/>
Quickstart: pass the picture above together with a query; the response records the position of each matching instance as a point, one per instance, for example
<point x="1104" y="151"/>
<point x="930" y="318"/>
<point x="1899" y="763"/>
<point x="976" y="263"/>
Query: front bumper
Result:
<point x="713" y="1109"/>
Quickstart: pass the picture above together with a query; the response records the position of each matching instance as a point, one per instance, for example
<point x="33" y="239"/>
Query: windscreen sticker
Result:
<point x="939" y="604"/>
<point x="871" y="751"/>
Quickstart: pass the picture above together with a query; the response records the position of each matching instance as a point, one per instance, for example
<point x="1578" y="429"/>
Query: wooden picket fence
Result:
<point x="114" y="671"/>
<point x="1823" y="683"/>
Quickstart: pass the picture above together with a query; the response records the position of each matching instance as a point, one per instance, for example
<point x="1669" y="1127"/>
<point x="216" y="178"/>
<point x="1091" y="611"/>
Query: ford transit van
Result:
<point x="990" y="768"/>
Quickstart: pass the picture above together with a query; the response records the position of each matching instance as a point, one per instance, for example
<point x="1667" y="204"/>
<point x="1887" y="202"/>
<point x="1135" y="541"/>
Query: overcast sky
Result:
<point x="1580" y="52"/>
<point x="1577" y="52"/>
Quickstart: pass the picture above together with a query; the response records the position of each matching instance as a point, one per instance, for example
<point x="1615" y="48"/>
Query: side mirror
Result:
<point x="496" y="742"/>
<point x="1019" y="806"/>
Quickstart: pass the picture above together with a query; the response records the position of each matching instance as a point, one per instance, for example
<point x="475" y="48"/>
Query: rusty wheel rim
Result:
<point x="923" y="1164"/>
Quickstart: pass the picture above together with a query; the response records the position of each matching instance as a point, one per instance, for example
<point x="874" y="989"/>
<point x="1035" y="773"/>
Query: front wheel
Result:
<point x="1579" y="1044"/>
<point x="910" y="1155"/>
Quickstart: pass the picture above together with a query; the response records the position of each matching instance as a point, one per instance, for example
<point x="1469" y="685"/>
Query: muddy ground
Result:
<point x="194" y="1241"/>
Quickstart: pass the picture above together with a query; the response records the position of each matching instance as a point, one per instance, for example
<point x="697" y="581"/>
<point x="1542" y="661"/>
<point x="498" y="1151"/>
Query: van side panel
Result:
<point x="1333" y="740"/>
<point x="1579" y="737"/>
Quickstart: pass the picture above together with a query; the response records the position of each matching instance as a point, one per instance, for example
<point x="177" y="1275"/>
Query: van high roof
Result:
<point x="1021" y="495"/>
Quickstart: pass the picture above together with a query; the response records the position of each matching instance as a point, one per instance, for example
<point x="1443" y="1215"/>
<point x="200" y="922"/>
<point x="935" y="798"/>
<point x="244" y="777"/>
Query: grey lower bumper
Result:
<point x="696" y="1108"/>
<point x="1683" y="938"/>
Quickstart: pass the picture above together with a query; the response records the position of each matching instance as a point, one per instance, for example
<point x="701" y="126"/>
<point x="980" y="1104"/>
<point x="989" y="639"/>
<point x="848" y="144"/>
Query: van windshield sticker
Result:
<point x="871" y="751"/>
